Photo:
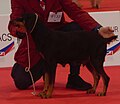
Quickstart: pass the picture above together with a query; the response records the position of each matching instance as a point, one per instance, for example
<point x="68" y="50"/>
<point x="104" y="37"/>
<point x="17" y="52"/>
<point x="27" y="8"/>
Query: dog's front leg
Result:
<point x="52" y="73"/>
<point x="46" y="84"/>
<point x="49" y="82"/>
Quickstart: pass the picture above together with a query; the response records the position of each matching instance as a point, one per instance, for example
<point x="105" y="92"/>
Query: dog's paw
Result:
<point x="91" y="91"/>
<point x="48" y="96"/>
<point x="42" y="94"/>
<point x="101" y="94"/>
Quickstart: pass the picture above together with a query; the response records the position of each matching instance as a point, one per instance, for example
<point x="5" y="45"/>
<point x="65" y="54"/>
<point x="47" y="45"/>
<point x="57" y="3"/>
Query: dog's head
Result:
<point x="27" y="21"/>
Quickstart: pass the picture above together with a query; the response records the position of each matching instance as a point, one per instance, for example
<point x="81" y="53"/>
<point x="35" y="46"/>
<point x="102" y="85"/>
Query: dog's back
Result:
<point x="67" y="47"/>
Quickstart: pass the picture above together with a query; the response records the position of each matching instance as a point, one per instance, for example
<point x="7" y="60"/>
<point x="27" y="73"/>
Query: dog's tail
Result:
<point x="108" y="40"/>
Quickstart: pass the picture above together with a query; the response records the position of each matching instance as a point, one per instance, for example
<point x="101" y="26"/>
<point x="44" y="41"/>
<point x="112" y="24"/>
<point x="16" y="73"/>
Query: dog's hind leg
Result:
<point x="98" y="65"/>
<point x="98" y="3"/>
<point x="95" y="3"/>
<point x="96" y="78"/>
<point x="106" y="80"/>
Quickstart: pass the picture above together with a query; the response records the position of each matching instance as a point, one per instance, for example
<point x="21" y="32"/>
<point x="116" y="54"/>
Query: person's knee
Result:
<point x="22" y="85"/>
<point x="21" y="79"/>
<point x="22" y="82"/>
<point x="18" y="86"/>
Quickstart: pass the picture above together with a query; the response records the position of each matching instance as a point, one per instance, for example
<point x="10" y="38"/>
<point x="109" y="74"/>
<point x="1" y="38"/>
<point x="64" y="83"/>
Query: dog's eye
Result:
<point x="17" y="25"/>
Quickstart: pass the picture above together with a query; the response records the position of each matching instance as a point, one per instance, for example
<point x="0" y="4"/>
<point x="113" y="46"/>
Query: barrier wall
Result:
<point x="112" y="19"/>
<point x="8" y="44"/>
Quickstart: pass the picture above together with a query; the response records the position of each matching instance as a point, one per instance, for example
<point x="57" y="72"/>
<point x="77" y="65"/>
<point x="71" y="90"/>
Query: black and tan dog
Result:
<point x="77" y="47"/>
<point x="94" y="3"/>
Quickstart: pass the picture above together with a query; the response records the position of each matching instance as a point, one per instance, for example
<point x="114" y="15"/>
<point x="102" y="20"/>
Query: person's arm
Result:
<point x="17" y="11"/>
<point x="78" y="15"/>
<point x="84" y="19"/>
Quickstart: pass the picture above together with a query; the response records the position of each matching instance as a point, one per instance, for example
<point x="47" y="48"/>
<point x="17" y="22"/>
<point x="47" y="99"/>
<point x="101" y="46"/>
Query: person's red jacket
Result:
<point x="20" y="7"/>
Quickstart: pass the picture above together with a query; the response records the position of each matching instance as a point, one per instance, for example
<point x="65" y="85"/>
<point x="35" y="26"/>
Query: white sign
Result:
<point x="112" y="19"/>
<point x="7" y="43"/>
<point x="55" y="17"/>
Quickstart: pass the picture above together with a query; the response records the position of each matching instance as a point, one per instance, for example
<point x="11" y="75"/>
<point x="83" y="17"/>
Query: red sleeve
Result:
<point x="17" y="11"/>
<point x="78" y="15"/>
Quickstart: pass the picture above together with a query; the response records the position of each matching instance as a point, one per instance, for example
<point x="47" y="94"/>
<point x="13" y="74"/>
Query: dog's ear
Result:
<point x="16" y="21"/>
<point x="20" y="19"/>
<point x="29" y="20"/>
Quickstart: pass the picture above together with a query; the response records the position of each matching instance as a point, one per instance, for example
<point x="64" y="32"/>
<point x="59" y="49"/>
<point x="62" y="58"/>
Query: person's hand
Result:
<point x="20" y="27"/>
<point x="106" y="32"/>
<point x="20" y="30"/>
